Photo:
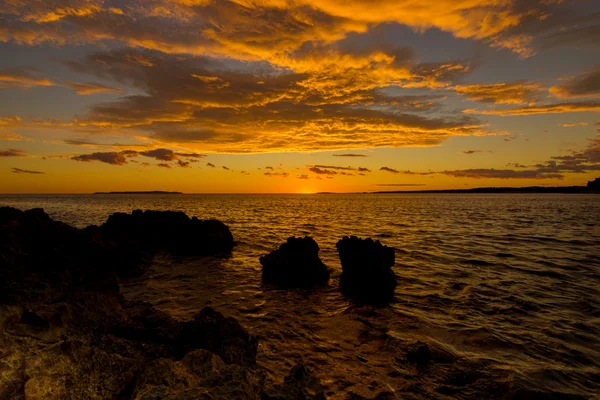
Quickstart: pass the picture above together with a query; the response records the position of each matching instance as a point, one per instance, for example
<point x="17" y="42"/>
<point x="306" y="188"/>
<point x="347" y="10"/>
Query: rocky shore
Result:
<point x="67" y="332"/>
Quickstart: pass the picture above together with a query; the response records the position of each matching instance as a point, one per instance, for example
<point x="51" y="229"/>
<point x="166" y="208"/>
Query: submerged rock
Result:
<point x="367" y="274"/>
<point x="295" y="264"/>
<point x="419" y="354"/>
<point x="300" y="384"/>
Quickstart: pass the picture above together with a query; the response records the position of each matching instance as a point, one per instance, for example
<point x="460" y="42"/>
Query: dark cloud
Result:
<point x="348" y="155"/>
<point x="320" y="171"/>
<point x="543" y="109"/>
<point x="469" y="152"/>
<point x="583" y="85"/>
<point x="478" y="173"/>
<point x="25" y="171"/>
<point x="112" y="157"/>
<point x="400" y="184"/>
<point x="304" y="176"/>
<point x="210" y="165"/>
<point x="362" y="169"/>
<point x="12" y="153"/>
<point x="121" y="158"/>
<point x="393" y="171"/>
<point x="271" y="168"/>
<point x="277" y="174"/>
<point x="226" y="168"/>
<point x="335" y="167"/>
<point x="163" y="165"/>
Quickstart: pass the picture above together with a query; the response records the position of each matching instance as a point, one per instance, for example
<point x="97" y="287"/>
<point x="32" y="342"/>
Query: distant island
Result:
<point x="146" y="192"/>
<point x="593" y="187"/>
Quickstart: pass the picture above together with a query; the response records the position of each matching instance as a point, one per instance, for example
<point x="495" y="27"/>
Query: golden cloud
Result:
<point x="501" y="93"/>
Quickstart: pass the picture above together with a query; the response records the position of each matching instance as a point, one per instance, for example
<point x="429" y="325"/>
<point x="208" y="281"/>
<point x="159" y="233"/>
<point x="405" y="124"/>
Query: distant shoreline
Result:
<point x="143" y="192"/>
<point x="495" y="190"/>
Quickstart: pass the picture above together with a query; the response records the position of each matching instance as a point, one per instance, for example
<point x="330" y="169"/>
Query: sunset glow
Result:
<point x="304" y="96"/>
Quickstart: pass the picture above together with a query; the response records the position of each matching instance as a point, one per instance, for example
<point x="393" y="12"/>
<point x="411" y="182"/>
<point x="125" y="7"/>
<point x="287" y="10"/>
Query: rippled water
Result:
<point x="505" y="289"/>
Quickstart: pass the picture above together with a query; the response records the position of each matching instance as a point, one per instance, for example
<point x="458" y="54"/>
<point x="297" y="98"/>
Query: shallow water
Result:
<point x="505" y="289"/>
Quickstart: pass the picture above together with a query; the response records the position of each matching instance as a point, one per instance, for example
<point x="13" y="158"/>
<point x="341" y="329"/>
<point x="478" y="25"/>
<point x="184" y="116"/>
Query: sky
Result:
<point x="297" y="96"/>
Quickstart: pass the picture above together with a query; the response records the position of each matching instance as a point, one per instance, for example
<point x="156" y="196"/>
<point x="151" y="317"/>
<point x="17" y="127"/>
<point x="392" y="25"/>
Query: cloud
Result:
<point x="210" y="165"/>
<point x="12" y="153"/>
<point x="320" y="171"/>
<point x="271" y="168"/>
<point x="543" y="109"/>
<point x="304" y="176"/>
<point x="22" y="78"/>
<point x="393" y="171"/>
<point x="112" y="158"/>
<point x="258" y="111"/>
<point x="277" y="174"/>
<point x="400" y="184"/>
<point x="121" y="157"/>
<point x="348" y="155"/>
<point x="362" y="169"/>
<point x="586" y="84"/>
<point x="25" y="171"/>
<point x="335" y="167"/>
<point x="469" y="152"/>
<point x="479" y="173"/>
<point x="163" y="165"/>
<point x="226" y="168"/>
<point x="518" y="92"/>
<point x="91" y="88"/>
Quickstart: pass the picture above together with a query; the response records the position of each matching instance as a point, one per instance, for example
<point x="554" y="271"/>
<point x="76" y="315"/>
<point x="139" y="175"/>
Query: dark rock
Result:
<point x="67" y="332"/>
<point x="378" y="396"/>
<point x="367" y="274"/>
<point x="168" y="230"/>
<point x="295" y="264"/>
<point x="300" y="384"/>
<point x="419" y="354"/>
<point x="221" y="335"/>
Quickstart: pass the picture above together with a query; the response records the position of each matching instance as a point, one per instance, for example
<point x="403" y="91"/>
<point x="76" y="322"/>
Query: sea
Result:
<point x="504" y="288"/>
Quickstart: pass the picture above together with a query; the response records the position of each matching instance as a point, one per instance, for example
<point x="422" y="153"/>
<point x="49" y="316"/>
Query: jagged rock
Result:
<point x="300" y="384"/>
<point x="295" y="264"/>
<point x="367" y="274"/>
<point x="378" y="396"/>
<point x="419" y="354"/>
<point x="67" y="332"/>
<point x="169" y="230"/>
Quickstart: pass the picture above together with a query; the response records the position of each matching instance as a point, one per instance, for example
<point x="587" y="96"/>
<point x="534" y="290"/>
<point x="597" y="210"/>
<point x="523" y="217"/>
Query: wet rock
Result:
<point x="200" y="374"/>
<point x="168" y="230"/>
<point x="367" y="274"/>
<point x="67" y="332"/>
<point x="300" y="384"/>
<point x="419" y="354"/>
<point x="221" y="335"/>
<point x="295" y="264"/>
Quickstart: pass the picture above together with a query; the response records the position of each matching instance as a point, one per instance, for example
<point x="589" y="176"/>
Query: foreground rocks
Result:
<point x="295" y="264"/>
<point x="169" y="230"/>
<point x="367" y="274"/>
<point x="67" y="332"/>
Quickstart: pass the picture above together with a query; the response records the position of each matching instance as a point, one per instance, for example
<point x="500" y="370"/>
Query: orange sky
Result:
<point x="297" y="96"/>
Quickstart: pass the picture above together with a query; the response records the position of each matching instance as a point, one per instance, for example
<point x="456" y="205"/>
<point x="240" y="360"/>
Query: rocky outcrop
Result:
<point x="168" y="230"/>
<point x="67" y="332"/>
<point x="295" y="263"/>
<point x="367" y="274"/>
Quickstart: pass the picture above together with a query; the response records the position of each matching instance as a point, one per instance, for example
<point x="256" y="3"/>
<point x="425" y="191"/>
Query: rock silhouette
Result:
<point x="295" y="263"/>
<point x="299" y="384"/>
<point x="67" y="332"/>
<point x="367" y="274"/>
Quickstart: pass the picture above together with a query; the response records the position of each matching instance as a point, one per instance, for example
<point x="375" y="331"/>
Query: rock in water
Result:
<point x="295" y="264"/>
<point x="169" y="230"/>
<point x="367" y="274"/>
